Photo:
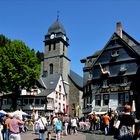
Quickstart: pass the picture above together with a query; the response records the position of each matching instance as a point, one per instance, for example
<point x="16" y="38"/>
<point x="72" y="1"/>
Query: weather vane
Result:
<point x="58" y="12"/>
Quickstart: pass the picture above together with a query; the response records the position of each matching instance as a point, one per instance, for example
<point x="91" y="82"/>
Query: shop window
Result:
<point x="31" y="101"/>
<point x="121" y="98"/>
<point x="98" y="100"/>
<point x="106" y="99"/>
<point x="25" y="101"/>
<point x="42" y="101"/>
<point x="37" y="101"/>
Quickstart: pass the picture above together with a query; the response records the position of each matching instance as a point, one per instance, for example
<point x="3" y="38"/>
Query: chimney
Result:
<point x="119" y="29"/>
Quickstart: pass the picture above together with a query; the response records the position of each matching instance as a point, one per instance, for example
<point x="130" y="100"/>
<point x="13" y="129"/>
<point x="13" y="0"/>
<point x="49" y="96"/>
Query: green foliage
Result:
<point x="40" y="56"/>
<point x="19" y="66"/>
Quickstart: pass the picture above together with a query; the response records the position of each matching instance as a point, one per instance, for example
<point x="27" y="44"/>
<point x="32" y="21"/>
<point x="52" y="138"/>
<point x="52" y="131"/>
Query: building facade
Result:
<point x="59" y="89"/>
<point x="111" y="75"/>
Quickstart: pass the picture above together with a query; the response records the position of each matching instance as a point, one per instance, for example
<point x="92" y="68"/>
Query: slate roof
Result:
<point x="131" y="42"/>
<point x="49" y="83"/>
<point x="77" y="79"/>
<point x="56" y="27"/>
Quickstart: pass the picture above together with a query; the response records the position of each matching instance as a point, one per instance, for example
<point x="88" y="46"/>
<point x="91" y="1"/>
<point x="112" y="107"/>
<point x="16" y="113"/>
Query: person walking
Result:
<point x="14" y="125"/>
<point x="66" y="122"/>
<point x="106" y="122"/>
<point x="74" y="125"/>
<point x="58" y="128"/>
<point x="126" y="124"/>
<point x="1" y="128"/>
<point x="42" y="121"/>
<point x="6" y="134"/>
<point x="69" y="125"/>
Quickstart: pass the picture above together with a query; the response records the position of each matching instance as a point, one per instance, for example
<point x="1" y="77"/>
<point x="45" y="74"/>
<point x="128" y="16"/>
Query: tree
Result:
<point x="19" y="68"/>
<point x="40" y="56"/>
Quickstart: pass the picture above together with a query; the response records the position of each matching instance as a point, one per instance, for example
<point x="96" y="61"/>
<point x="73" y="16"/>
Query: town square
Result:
<point x="69" y="70"/>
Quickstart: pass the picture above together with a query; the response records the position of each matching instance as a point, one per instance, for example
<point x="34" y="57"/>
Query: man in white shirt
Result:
<point x="42" y="126"/>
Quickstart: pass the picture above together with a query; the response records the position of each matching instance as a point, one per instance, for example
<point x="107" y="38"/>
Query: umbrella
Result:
<point x="20" y="112"/>
<point x="3" y="112"/>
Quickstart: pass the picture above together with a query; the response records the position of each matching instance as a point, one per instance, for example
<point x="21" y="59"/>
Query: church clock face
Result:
<point x="52" y="36"/>
<point x="64" y="37"/>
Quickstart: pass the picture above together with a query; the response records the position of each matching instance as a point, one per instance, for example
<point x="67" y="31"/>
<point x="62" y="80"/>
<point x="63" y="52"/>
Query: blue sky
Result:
<point x="89" y="24"/>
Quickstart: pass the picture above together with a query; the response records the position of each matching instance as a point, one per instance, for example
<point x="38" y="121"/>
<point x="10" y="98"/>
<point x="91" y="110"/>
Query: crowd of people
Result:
<point x="121" y="125"/>
<point x="10" y="127"/>
<point x="60" y="125"/>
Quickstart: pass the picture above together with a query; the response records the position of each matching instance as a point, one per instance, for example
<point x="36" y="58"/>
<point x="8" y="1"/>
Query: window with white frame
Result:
<point x="59" y="106"/>
<point x="59" y="96"/>
<point x="56" y="95"/>
<point x="63" y="97"/>
<point x="59" y="88"/>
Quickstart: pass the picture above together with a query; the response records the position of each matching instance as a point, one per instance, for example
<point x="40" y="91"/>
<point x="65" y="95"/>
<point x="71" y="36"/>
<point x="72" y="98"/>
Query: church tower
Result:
<point x="56" y="61"/>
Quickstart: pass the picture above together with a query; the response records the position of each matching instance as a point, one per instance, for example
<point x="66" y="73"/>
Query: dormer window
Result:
<point x="105" y="69"/>
<point x="123" y="68"/>
<point x="115" y="53"/>
<point x="125" y="82"/>
<point x="105" y="84"/>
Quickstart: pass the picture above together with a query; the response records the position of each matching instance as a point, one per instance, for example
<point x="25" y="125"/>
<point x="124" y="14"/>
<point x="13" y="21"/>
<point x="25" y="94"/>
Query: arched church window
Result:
<point x="51" y="68"/>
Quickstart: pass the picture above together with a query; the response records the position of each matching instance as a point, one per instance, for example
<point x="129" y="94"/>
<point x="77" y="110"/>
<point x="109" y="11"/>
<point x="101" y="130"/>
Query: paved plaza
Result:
<point x="32" y="136"/>
<point x="80" y="136"/>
